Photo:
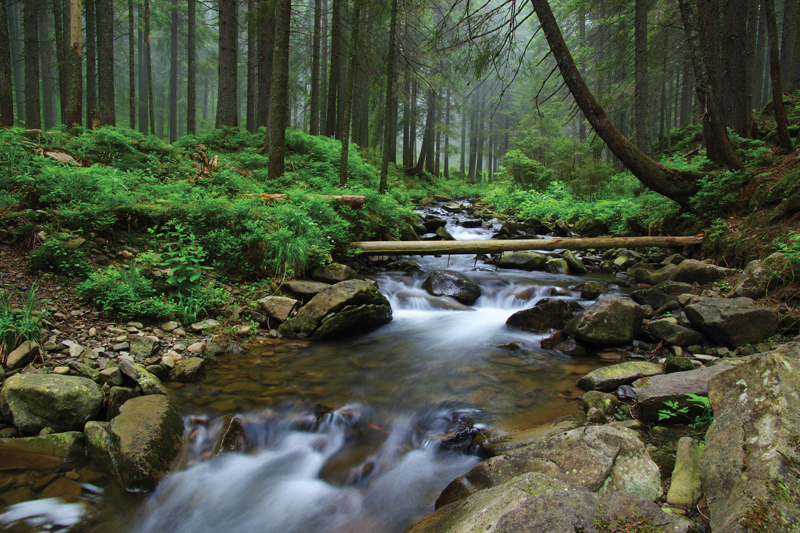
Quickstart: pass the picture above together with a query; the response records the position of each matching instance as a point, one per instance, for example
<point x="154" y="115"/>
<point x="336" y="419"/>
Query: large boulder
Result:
<point x="661" y="294"/>
<point x="732" y="322"/>
<point x="141" y="444"/>
<point x="612" y="320"/>
<point x="523" y="261"/>
<point x="334" y="273"/>
<point x="668" y="330"/>
<point x="61" y="403"/>
<point x="609" y="378"/>
<point x="453" y="284"/>
<point x="654" y="392"/>
<point x="575" y="265"/>
<point x="598" y="458"/>
<point x="279" y="307"/>
<point x="304" y="290"/>
<point x="652" y="276"/>
<point x="750" y="462"/>
<point x="347" y="307"/>
<point x="758" y="274"/>
<point x="546" y="314"/>
<point x="694" y="271"/>
<point x="537" y="502"/>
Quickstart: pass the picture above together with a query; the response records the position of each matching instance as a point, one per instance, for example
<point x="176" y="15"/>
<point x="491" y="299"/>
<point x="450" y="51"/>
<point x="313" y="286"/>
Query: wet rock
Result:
<point x="232" y="437"/>
<point x="556" y="266"/>
<point x="693" y="271"/>
<point x="749" y="466"/>
<point x="609" y="378"/>
<point x="85" y="371"/>
<point x="612" y="320"/>
<point x="654" y="392"/>
<point x="38" y="401"/>
<point x="732" y="322"/>
<point x="22" y="355"/>
<point x="653" y="276"/>
<point x="436" y="302"/>
<point x="591" y="290"/>
<point x="334" y="273"/>
<point x="607" y="403"/>
<point x="661" y="294"/>
<point x="550" y="343"/>
<point x="453" y="284"/>
<point x="304" y="290"/>
<point x="667" y="329"/>
<point x="149" y="383"/>
<point x="117" y="396"/>
<point x="188" y="370"/>
<point x="62" y="488"/>
<point x="279" y="307"/>
<point x="546" y="314"/>
<point x="523" y="261"/>
<point x="561" y="229"/>
<point x="575" y="265"/>
<point x="571" y="347"/>
<point x="684" y="488"/>
<point x="347" y="307"/>
<point x="66" y="445"/>
<point x="445" y="235"/>
<point x="432" y="223"/>
<point x="758" y="274"/>
<point x="590" y="227"/>
<point x="143" y="347"/>
<point x="111" y="375"/>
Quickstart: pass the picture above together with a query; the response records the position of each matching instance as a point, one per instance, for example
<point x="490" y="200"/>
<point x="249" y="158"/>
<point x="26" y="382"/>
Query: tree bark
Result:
<point x="105" y="62"/>
<point x="446" y="150"/>
<point x="390" y="68"/>
<point x="425" y="161"/>
<point x="132" y="68"/>
<point x="46" y="69"/>
<point x="173" y="72"/>
<point x="784" y="139"/>
<point x="74" y="81"/>
<point x="6" y="94"/>
<point x="332" y="129"/>
<point x="61" y="56"/>
<point x="348" y="101"/>
<point x="734" y="67"/>
<point x="678" y="186"/>
<point x="323" y="74"/>
<point x="266" y="46"/>
<point x="191" y="68"/>
<point x="789" y="35"/>
<point x="641" y="93"/>
<point x="15" y="23"/>
<point x="30" y="24"/>
<point x="313" y="128"/>
<point x="90" y="15"/>
<point x="227" y="112"/>
<point x="279" y="92"/>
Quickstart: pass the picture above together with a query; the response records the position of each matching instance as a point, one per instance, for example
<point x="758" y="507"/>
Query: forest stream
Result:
<point x="335" y="436"/>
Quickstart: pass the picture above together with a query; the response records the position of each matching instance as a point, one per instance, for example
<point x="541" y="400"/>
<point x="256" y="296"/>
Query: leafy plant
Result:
<point x="189" y="307"/>
<point x="59" y="257"/>
<point x="19" y="325"/>
<point x="791" y="249"/>
<point x="675" y="410"/>
<point x="125" y="293"/>
<point x="183" y="256"/>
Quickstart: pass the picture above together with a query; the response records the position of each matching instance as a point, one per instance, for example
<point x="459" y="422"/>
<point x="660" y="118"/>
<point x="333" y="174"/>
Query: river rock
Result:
<point x="591" y="290"/>
<point x="22" y="355"/>
<point x="189" y="369"/>
<point x="67" y="445"/>
<point x="141" y="443"/>
<point x="143" y="347"/>
<point x="117" y="397"/>
<point x="654" y="392"/>
<point x="556" y="265"/>
<point x="347" y="307"/>
<point x="652" y="276"/>
<point x="304" y="290"/>
<point x="575" y="265"/>
<point x="661" y="294"/>
<point x="684" y="487"/>
<point x="612" y="320"/>
<point x="693" y="271"/>
<point x="453" y="284"/>
<point x="598" y="458"/>
<point x="752" y="452"/>
<point x="732" y="322"/>
<point x="149" y="383"/>
<point x="546" y="314"/>
<point x="61" y="403"/>
<point x="523" y="261"/>
<point x="279" y="307"/>
<point x="590" y="227"/>
<point x="432" y="223"/>
<point x="668" y="329"/>
<point x="540" y="503"/>
<point x="334" y="273"/>
<point x="609" y="378"/>
<point x="436" y="302"/>
<point x="758" y="274"/>
<point x="444" y="235"/>
<point x="607" y="403"/>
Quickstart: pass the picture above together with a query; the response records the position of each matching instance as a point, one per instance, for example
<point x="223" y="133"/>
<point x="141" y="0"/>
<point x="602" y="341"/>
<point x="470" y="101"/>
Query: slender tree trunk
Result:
<point x="17" y="57"/>
<point x="279" y="92"/>
<point x="30" y="23"/>
<point x="348" y="101"/>
<point x="191" y="68"/>
<point x="425" y="161"/>
<point x="640" y="89"/>
<point x="46" y="65"/>
<point x="407" y="163"/>
<point x="266" y="45"/>
<point x="61" y="55"/>
<point x="678" y="186"/>
<point x="734" y="66"/>
<point x="331" y="126"/>
<point x="760" y="54"/>
<point x="252" y="67"/>
<point x="463" y="153"/>
<point x="74" y="81"/>
<point x="480" y="134"/>
<point x="315" y="67"/>
<point x="105" y="62"/>
<point x="447" y="135"/>
<point x="91" y="60"/>
<point x="6" y="94"/>
<point x="173" y="73"/>
<point x="341" y="90"/>
<point x="132" y="67"/>
<point x="151" y="106"/>
<point x="390" y="67"/>
<point x="413" y="125"/>
<point x="784" y="140"/>
<point x="704" y="50"/>
<point x="323" y="74"/>
<point x="789" y="35"/>
<point x="227" y="112"/>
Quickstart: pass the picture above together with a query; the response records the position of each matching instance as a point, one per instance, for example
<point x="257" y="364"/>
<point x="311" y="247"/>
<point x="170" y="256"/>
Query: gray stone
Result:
<point x="732" y="322"/>
<point x="111" y="375"/>
<point x="453" y="284"/>
<point x="693" y="271"/>
<point x="170" y="326"/>
<point x="523" y="261"/>
<point x="84" y="370"/>
<point x="654" y="277"/>
<point x="609" y="378"/>
<point x="149" y="383"/>
<point x="67" y="445"/>
<point x="667" y="329"/>
<point x="607" y="403"/>
<point x="117" y="396"/>
<point x="749" y="466"/>
<point x="556" y="265"/>
<point x="304" y="290"/>
<point x="334" y="273"/>
<point x="143" y="347"/>
<point x="436" y="302"/>
<point x="575" y="265"/>
<point x="189" y="369"/>
<point x="278" y="307"/>
<point x="444" y="234"/>
<point x="661" y="294"/>
<point x="591" y="290"/>
<point x="22" y="355"/>
<point x="654" y="392"/>
<point x="612" y="320"/>
<point x="684" y="488"/>
<point x="38" y="401"/>
<point x="546" y="314"/>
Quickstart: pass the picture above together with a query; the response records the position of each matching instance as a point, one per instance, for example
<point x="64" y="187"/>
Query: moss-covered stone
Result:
<point x="608" y="378"/>
<point x="67" y="445"/>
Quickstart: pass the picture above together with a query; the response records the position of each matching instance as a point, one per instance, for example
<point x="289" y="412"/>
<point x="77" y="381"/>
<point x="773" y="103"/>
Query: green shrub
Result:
<point x="19" y="325"/>
<point x="59" y="257"/>
<point x="719" y="193"/>
<point x="124" y="293"/>
<point x="183" y="255"/>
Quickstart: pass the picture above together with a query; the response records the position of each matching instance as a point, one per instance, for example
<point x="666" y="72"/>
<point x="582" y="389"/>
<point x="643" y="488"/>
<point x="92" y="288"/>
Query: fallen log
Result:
<point x="346" y="199"/>
<point x="511" y="245"/>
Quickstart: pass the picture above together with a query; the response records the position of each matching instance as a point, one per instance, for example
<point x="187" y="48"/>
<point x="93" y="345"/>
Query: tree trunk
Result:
<point x="279" y="92"/>
<point x="132" y="68"/>
<point x="387" y="136"/>
<point x="426" y="148"/>
<point x="173" y="73"/>
<point x="331" y="127"/>
<point x="641" y="93"/>
<point x="784" y="140"/>
<point x="227" y="112"/>
<point x="90" y="14"/>
<point x="760" y="53"/>
<point x="704" y="51"/>
<point x="61" y="56"/>
<point x="191" y="68"/>
<point x="74" y="81"/>
<point x="348" y="101"/>
<point x="252" y="67"/>
<point x="447" y="135"/>
<point x="313" y="128"/>
<point x="407" y="162"/>
<point x="266" y="46"/>
<point x="30" y="25"/>
<point x="678" y="186"/>
<point x="734" y="67"/>
<point x="105" y="63"/>
<point x="46" y="65"/>
<point x="6" y="94"/>
<point x="463" y="153"/>
<point x="151" y="106"/>
<point x="789" y="45"/>
<point x="17" y="57"/>
<point x="323" y="68"/>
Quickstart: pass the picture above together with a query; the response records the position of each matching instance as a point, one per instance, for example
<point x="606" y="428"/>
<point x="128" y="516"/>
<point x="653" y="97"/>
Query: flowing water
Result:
<point x="344" y="436"/>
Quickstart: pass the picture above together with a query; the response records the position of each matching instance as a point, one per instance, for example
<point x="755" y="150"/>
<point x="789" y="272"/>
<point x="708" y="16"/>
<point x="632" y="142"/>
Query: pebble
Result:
<point x="120" y="346"/>
<point x="179" y="332"/>
<point x="61" y="370"/>
<point x="197" y="347"/>
<point x="179" y="347"/>
<point x="170" y="326"/>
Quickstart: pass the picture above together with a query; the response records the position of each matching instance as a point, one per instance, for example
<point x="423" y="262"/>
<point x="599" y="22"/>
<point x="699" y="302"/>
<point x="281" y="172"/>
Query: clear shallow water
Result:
<point x="344" y="436"/>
